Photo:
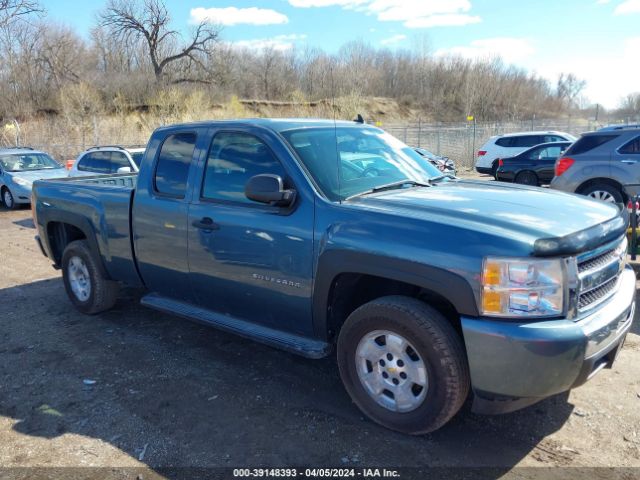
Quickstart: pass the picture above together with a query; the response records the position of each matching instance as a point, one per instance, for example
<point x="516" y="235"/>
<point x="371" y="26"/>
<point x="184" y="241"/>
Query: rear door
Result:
<point x="543" y="160"/>
<point x="250" y="260"/>
<point x="626" y="159"/>
<point x="161" y="209"/>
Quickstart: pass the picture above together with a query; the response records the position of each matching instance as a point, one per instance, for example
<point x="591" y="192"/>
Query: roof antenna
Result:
<point x="359" y="119"/>
<point x="335" y="131"/>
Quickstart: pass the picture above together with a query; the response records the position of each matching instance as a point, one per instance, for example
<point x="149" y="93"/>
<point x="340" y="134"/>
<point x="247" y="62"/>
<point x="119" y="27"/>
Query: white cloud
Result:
<point x="511" y="50"/>
<point x="393" y="40"/>
<point x="281" y="43"/>
<point x="413" y="13"/>
<point x="448" y="20"/>
<point x="627" y="7"/>
<point x="326" y="3"/>
<point x="616" y="74"/>
<point x="230" y="16"/>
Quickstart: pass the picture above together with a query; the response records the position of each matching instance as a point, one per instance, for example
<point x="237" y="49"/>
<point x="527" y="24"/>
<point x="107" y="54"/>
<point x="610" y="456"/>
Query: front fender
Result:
<point x="451" y="286"/>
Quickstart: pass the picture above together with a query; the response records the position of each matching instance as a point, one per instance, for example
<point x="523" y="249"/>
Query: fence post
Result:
<point x="473" y="143"/>
<point x="419" y="132"/>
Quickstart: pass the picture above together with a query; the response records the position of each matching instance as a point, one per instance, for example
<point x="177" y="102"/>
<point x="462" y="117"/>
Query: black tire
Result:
<point x="596" y="191"/>
<point x="527" y="178"/>
<point x="8" y="200"/>
<point x="494" y="170"/>
<point x="102" y="292"/>
<point x="433" y="339"/>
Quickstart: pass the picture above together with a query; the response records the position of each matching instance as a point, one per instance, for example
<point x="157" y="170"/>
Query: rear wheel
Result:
<point x="527" y="178"/>
<point x="403" y="364"/>
<point x="603" y="192"/>
<point x="494" y="169"/>
<point x="86" y="285"/>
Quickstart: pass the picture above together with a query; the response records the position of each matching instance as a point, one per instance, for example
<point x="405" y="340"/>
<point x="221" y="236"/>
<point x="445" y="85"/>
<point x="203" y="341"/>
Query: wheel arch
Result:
<point x="347" y="280"/>
<point x="607" y="181"/>
<point x="63" y="230"/>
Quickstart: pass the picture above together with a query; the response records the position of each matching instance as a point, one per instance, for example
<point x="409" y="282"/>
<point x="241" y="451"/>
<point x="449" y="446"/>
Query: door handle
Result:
<point x="629" y="162"/>
<point x="206" y="224"/>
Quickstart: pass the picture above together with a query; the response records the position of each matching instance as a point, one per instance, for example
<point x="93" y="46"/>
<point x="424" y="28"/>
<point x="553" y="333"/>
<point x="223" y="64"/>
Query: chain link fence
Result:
<point x="458" y="141"/>
<point x="461" y="141"/>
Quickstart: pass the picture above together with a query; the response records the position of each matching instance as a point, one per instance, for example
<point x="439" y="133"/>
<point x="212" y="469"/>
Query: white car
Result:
<point x="511" y="144"/>
<point x="107" y="160"/>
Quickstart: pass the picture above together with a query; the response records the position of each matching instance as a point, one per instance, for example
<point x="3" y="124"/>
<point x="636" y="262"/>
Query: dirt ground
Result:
<point x="135" y="388"/>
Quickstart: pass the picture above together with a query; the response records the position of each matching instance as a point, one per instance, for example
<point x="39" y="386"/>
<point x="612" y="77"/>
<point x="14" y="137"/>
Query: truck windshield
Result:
<point x="26" y="162"/>
<point x="369" y="158"/>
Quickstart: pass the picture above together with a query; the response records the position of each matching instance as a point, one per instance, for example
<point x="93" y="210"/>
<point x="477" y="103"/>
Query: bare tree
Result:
<point x="150" y="20"/>
<point x="569" y="87"/>
<point x="11" y="10"/>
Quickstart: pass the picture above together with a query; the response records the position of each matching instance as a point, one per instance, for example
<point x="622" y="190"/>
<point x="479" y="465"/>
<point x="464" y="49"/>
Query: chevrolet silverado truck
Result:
<point x="319" y="236"/>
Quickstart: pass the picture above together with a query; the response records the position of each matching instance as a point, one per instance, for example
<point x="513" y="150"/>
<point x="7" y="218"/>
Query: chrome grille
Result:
<point x="593" y="297"/>
<point x="598" y="272"/>
<point x="598" y="261"/>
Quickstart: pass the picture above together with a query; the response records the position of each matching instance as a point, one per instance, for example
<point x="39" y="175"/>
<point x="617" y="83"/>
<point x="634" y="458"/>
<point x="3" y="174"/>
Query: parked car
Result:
<point x="19" y="168"/>
<point x="534" y="166"/>
<point x="427" y="286"/>
<point x="107" y="160"/>
<point x="511" y="144"/>
<point x="444" y="164"/>
<point x="600" y="163"/>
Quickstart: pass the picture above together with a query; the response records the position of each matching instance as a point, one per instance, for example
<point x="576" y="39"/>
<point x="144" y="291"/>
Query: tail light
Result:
<point x="69" y="164"/>
<point x="563" y="164"/>
<point x="500" y="162"/>
<point x="482" y="153"/>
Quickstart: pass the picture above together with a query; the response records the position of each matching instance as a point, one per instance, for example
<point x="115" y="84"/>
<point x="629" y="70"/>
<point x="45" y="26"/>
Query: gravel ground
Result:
<point x="135" y="388"/>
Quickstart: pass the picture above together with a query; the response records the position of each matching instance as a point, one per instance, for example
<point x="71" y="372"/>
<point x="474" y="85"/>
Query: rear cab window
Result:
<point x="588" y="143"/>
<point x="172" y="167"/>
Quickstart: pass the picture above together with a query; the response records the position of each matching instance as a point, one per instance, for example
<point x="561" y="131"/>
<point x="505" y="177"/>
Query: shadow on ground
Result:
<point x="190" y="396"/>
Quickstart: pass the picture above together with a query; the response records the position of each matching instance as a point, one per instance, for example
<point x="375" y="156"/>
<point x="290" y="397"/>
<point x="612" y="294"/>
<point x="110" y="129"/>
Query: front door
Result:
<point x="249" y="260"/>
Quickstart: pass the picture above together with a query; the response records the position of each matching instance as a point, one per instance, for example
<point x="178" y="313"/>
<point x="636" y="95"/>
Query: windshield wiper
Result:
<point x="391" y="186"/>
<point x="441" y="177"/>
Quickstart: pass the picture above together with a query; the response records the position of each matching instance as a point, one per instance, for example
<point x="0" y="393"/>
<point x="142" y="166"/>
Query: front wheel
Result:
<point x="86" y="285"/>
<point x="7" y="198"/>
<point x="403" y="364"/>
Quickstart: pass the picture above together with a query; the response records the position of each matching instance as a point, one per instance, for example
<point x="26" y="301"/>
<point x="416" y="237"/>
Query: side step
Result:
<point x="286" y="341"/>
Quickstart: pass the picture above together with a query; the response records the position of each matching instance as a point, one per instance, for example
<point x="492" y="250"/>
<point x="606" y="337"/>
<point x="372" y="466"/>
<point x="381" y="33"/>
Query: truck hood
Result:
<point x="555" y="223"/>
<point x="40" y="174"/>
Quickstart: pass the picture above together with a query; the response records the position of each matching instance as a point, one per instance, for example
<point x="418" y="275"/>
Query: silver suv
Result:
<point x="107" y="160"/>
<point x="600" y="163"/>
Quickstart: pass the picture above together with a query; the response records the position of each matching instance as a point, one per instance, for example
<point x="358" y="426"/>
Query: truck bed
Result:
<point x="103" y="205"/>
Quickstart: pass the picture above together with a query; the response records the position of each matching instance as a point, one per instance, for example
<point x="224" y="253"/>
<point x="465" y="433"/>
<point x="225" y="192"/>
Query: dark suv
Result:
<point x="600" y="163"/>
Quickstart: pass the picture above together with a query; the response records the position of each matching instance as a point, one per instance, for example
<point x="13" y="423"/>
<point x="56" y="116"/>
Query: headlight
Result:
<point x="526" y="287"/>
<point x="21" y="181"/>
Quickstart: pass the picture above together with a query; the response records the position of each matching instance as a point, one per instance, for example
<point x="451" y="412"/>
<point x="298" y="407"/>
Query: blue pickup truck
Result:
<point x="319" y="236"/>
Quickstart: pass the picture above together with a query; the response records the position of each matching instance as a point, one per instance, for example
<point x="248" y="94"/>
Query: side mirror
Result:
<point x="267" y="188"/>
<point x="124" y="170"/>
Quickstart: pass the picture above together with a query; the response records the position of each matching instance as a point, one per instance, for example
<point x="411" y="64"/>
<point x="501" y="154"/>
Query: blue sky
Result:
<point x="598" y="40"/>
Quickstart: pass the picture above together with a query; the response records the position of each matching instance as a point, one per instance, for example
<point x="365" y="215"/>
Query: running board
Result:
<point x="275" y="338"/>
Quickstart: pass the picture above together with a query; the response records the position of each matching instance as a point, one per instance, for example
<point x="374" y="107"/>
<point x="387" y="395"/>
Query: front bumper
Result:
<point x="514" y="365"/>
